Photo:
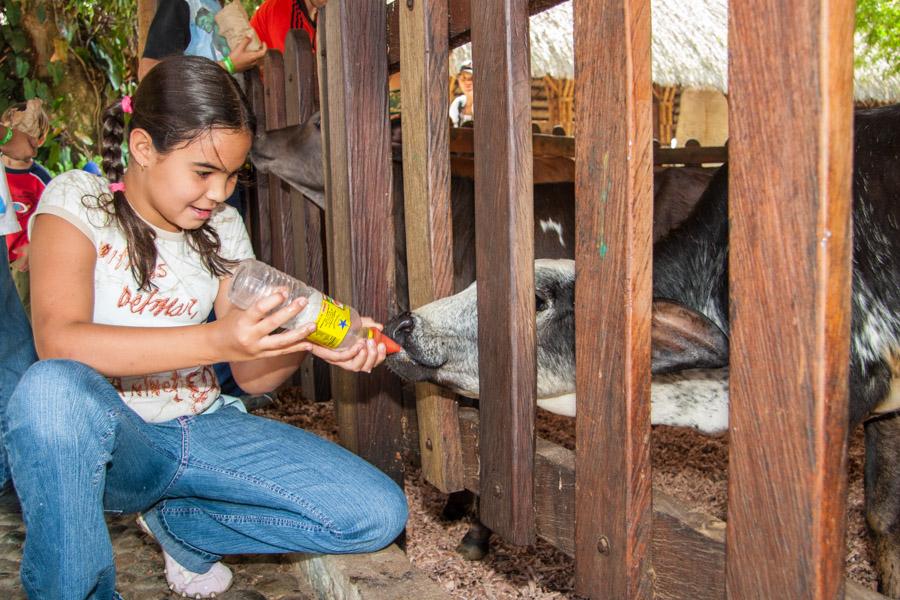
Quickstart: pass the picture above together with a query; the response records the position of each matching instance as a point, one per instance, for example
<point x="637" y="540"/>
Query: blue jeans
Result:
<point x="214" y="484"/>
<point x="16" y="345"/>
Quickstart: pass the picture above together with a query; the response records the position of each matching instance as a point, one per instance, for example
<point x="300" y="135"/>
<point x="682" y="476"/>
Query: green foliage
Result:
<point x="878" y="22"/>
<point x="250" y="5"/>
<point x="94" y="53"/>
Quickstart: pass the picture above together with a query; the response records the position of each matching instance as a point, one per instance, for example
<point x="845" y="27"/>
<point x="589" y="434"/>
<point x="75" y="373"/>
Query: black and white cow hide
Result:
<point x="690" y="327"/>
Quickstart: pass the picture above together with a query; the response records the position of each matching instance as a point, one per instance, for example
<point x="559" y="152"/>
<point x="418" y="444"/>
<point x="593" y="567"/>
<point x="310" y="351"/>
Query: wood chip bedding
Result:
<point x="687" y="465"/>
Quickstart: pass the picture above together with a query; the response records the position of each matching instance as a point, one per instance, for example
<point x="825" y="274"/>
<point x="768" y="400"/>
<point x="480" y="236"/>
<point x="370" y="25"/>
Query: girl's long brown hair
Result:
<point x="180" y="99"/>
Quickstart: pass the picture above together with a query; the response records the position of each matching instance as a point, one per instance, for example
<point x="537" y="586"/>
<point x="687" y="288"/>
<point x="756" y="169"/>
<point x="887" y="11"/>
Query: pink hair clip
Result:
<point x="117" y="187"/>
<point x="126" y="105"/>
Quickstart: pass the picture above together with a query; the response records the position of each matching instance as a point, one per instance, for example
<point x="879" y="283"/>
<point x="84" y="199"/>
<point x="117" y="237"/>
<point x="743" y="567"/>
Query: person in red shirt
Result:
<point x="274" y="18"/>
<point x="27" y="180"/>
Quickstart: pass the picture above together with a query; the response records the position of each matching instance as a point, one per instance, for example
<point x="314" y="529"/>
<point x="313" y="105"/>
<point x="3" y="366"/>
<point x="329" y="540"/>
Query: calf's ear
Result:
<point x="684" y="339"/>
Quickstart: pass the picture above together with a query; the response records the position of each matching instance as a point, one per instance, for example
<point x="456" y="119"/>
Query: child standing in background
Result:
<point x="27" y="180"/>
<point x="462" y="109"/>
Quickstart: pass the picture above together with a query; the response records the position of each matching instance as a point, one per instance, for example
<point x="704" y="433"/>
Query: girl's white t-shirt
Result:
<point x="9" y="223"/>
<point x="183" y="294"/>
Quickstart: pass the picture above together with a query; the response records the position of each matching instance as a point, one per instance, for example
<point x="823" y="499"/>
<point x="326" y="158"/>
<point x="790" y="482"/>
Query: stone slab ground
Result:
<point x="386" y="575"/>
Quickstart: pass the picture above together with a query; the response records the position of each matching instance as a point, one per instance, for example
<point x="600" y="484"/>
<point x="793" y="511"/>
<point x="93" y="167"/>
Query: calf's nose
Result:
<point x="399" y="327"/>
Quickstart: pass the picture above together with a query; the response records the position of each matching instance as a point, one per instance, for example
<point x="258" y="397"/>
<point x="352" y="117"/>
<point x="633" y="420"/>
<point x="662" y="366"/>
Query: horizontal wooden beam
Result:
<point x="547" y="169"/>
<point x="460" y="24"/>
<point x="688" y="546"/>
<point x="560" y="146"/>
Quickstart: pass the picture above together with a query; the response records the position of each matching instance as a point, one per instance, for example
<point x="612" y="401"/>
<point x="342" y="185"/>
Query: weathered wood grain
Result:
<point x="613" y="194"/>
<point x="301" y="91"/>
<point x="426" y="184"/>
<point x="504" y="211"/>
<point x="279" y="192"/>
<point x="360" y="227"/>
<point x="258" y="210"/>
<point x="790" y="118"/>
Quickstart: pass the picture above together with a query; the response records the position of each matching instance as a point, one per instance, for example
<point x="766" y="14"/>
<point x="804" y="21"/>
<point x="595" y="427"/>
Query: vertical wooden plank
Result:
<point x="429" y="240"/>
<point x="361" y="236"/>
<point x="323" y="233"/>
<point x="301" y="91"/>
<point x="613" y="191"/>
<point x="504" y="211"/>
<point x="790" y="86"/>
<point x="279" y="198"/>
<point x="460" y="15"/>
<point x="259" y="206"/>
<point x="334" y="148"/>
<point x="299" y="88"/>
<point x="300" y="77"/>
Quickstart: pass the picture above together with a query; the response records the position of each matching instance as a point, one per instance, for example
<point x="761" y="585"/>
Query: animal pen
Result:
<point x="790" y="96"/>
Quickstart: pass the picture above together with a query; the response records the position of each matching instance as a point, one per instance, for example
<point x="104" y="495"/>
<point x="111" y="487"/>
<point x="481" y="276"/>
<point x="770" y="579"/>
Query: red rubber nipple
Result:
<point x="390" y="345"/>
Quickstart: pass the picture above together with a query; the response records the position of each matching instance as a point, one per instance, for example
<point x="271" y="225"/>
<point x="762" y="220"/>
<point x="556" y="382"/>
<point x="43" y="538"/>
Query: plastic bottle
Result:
<point x="338" y="326"/>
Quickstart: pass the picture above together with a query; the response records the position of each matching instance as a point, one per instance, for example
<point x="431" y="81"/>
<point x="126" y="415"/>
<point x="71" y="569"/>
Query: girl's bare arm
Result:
<point x="266" y="374"/>
<point x="62" y="279"/>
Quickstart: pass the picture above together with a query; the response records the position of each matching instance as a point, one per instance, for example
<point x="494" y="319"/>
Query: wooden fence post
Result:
<point x="258" y="204"/>
<point x="613" y="193"/>
<point x="790" y="123"/>
<point x="301" y="92"/>
<point x="279" y="191"/>
<point x="426" y="175"/>
<point x="359" y="222"/>
<point x="504" y="211"/>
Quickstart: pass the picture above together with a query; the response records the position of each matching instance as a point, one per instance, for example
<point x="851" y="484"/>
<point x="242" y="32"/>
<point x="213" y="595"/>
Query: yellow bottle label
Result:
<point x="332" y="324"/>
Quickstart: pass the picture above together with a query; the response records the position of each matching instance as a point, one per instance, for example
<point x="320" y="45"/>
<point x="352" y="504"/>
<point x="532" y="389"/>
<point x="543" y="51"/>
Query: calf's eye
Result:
<point x="540" y="304"/>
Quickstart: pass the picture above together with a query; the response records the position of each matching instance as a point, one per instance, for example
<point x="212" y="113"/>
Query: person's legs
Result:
<point x="253" y="485"/>
<point x="231" y="483"/>
<point x="16" y="346"/>
<point x="69" y="435"/>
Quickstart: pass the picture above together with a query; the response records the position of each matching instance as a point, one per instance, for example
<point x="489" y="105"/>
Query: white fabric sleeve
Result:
<point x="75" y="196"/>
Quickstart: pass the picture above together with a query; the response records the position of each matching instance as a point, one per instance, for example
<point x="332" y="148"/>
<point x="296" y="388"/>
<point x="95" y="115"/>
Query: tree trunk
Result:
<point x="82" y="87"/>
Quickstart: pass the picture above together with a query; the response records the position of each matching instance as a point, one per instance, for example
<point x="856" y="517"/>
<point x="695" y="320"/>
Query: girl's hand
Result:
<point x="244" y="59"/>
<point x="247" y="334"/>
<point x="365" y="355"/>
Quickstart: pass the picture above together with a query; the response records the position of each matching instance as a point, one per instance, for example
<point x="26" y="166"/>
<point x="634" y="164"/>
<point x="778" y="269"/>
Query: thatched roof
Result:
<point x="690" y="41"/>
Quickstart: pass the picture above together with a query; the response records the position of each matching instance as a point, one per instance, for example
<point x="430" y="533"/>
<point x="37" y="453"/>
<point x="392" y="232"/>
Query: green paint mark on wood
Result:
<point x="604" y="194"/>
<point x="604" y="197"/>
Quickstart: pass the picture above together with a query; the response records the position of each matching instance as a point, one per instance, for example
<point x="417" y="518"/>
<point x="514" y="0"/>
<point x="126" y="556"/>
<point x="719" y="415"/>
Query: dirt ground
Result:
<point x="687" y="465"/>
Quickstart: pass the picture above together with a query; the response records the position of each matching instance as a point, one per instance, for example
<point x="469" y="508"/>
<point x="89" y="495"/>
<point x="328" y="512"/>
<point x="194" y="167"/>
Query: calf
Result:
<point x="294" y="154"/>
<point x="690" y="326"/>
<point x="676" y="191"/>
